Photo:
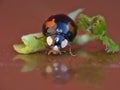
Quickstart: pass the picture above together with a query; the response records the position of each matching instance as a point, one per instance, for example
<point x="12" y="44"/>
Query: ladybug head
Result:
<point x="56" y="43"/>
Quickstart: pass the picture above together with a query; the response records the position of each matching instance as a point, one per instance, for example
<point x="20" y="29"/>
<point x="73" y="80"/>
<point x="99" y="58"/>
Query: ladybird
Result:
<point x="59" y="31"/>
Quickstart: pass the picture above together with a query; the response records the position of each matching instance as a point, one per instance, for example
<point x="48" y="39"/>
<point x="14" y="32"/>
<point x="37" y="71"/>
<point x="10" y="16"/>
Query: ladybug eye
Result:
<point x="64" y="43"/>
<point x="49" y="40"/>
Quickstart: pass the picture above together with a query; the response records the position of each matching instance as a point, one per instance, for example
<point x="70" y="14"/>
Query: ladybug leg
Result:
<point x="70" y="51"/>
<point x="63" y="51"/>
<point x="49" y="52"/>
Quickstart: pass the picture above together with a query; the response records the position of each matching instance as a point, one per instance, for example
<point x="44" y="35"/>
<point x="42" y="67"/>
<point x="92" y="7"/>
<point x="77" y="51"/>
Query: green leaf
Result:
<point x="73" y="15"/>
<point x="84" y="22"/>
<point x="95" y="25"/>
<point x="83" y="39"/>
<point x="96" y="28"/>
<point x="98" y="25"/>
<point x="32" y="43"/>
<point x="32" y="61"/>
<point x="111" y="46"/>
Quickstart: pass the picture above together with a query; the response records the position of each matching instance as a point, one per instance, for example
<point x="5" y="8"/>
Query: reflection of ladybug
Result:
<point x="59" y="72"/>
<point x="59" y="31"/>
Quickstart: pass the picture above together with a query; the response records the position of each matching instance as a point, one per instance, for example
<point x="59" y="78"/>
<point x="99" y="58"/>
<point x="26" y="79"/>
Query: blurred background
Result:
<point x="20" y="17"/>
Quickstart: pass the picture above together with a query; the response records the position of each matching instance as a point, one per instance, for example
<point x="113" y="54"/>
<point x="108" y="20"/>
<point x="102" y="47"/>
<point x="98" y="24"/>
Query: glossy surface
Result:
<point x="60" y="24"/>
<point x="59" y="30"/>
<point x="91" y="69"/>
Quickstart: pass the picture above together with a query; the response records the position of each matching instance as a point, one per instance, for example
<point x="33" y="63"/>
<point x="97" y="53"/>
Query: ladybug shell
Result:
<point x="60" y="24"/>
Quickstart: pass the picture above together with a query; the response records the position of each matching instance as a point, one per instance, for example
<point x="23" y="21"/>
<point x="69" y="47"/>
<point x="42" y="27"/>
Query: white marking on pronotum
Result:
<point x="59" y="30"/>
<point x="49" y="40"/>
<point x="64" y="43"/>
<point x="57" y="39"/>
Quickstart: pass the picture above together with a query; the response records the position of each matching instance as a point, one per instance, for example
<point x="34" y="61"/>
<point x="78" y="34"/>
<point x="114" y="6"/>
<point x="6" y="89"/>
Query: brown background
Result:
<point x="19" y="17"/>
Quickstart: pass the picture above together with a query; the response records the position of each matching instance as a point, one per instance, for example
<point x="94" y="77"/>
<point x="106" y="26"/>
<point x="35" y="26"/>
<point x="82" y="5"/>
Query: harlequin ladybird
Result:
<point x="59" y="31"/>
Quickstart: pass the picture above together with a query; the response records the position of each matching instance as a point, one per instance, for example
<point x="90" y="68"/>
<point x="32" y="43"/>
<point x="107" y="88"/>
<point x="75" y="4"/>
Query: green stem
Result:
<point x="82" y="39"/>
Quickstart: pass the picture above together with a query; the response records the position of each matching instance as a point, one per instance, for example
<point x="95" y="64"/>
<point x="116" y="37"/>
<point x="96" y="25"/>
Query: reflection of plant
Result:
<point x="90" y="75"/>
<point x="32" y="61"/>
<point x="38" y="60"/>
<point x="99" y="58"/>
<point x="91" y="70"/>
<point x="59" y="68"/>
